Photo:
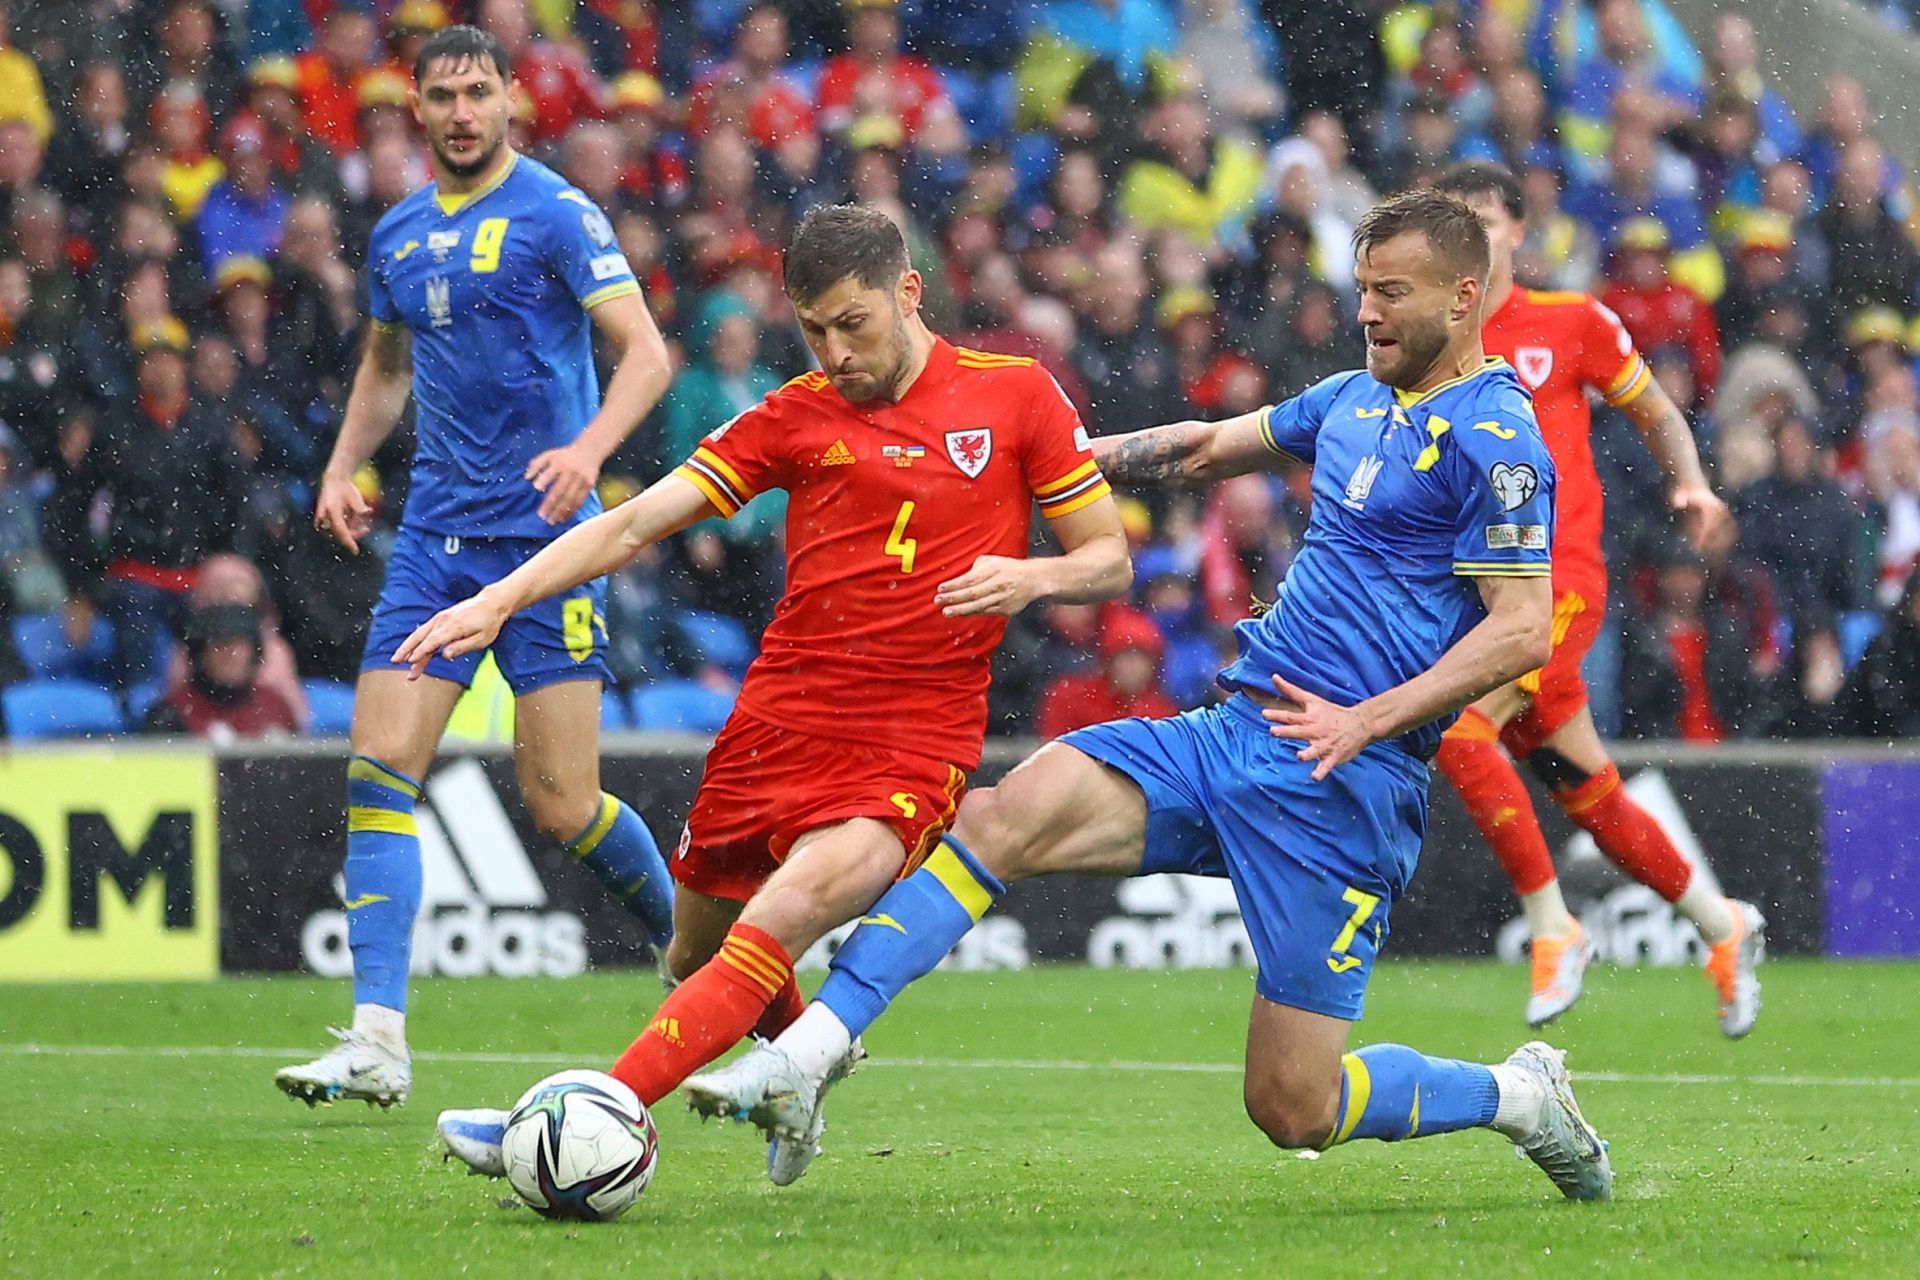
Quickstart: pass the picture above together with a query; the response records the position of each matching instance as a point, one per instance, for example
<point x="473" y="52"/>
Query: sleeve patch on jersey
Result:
<point x="1081" y="440"/>
<point x="1513" y="484"/>
<point x="598" y="229"/>
<point x="1508" y="537"/>
<point x="608" y="265"/>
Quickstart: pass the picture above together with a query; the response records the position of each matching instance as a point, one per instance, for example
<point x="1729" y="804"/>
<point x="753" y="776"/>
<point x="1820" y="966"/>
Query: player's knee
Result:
<point x="560" y="814"/>
<point x="685" y="956"/>
<point x="1556" y="770"/>
<point x="1292" y="1118"/>
<point x="988" y="824"/>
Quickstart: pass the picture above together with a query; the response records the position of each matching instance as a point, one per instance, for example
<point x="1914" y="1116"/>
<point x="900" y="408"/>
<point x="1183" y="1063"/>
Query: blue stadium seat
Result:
<point x="680" y="705"/>
<point x="141" y="699"/>
<point x="1858" y="629"/>
<point x="60" y="709"/>
<point x="723" y="641"/>
<point x="329" y="707"/>
<point x="613" y="712"/>
<point x="41" y="641"/>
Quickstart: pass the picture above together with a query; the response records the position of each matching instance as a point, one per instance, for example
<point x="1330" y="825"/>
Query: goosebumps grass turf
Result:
<point x="1057" y="1122"/>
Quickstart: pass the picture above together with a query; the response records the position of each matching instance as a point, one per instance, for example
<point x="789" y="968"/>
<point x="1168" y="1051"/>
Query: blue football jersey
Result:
<point x="495" y="286"/>
<point x="1413" y="498"/>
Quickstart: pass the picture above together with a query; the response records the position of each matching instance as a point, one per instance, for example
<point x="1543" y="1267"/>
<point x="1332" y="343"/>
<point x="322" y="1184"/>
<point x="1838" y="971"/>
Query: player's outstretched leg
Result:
<point x="1392" y="1093"/>
<point x="1586" y="785"/>
<point x="1496" y="798"/>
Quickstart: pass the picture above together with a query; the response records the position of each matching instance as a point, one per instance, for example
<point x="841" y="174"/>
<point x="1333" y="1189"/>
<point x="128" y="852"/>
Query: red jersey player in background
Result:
<point x="1564" y="345"/>
<point x="913" y="468"/>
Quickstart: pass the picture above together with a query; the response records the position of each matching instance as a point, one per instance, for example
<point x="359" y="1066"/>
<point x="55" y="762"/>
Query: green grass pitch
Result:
<point x="1060" y="1122"/>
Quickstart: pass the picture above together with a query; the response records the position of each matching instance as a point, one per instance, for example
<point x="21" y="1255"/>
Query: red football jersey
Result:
<point x="1563" y="345"/>
<point x="887" y="501"/>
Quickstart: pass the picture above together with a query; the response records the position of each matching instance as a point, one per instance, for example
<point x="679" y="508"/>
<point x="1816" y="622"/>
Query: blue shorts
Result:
<point x="564" y="638"/>
<point x="1316" y="865"/>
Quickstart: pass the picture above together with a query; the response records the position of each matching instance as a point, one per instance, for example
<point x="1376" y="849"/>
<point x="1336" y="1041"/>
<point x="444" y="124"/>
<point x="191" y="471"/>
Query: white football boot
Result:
<point x="357" y="1067"/>
<point x="1731" y="965"/>
<point x="766" y="1089"/>
<point x="473" y="1136"/>
<point x="1562" y="1143"/>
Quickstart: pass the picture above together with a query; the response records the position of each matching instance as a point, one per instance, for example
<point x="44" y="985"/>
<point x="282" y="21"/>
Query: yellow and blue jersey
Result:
<point x="1414" y="496"/>
<point x="495" y="286"/>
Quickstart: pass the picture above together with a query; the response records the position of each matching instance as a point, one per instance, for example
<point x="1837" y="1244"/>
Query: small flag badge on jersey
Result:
<point x="903" y="454"/>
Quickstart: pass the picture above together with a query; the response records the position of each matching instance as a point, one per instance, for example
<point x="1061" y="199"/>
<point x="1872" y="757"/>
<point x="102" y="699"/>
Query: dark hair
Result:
<point x="1470" y="178"/>
<point x="839" y="240"/>
<point x="461" y="43"/>
<point x="1453" y="229"/>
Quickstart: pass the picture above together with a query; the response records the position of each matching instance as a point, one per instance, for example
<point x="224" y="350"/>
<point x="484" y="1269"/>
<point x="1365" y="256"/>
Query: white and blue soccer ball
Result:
<point x="580" y="1146"/>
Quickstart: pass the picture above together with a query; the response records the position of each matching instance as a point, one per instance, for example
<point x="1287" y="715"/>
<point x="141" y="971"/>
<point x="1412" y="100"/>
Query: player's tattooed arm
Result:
<point x="1702" y="513"/>
<point x="1184" y="455"/>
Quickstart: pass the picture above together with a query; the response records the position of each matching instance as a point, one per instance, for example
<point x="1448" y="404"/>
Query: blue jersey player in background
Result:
<point x="483" y="288"/>
<point x="1423" y="583"/>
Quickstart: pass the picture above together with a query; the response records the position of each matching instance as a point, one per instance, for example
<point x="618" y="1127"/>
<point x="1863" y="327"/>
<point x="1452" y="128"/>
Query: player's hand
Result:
<point x="1703" y="517"/>
<point x="343" y="512"/>
<point x="996" y="586"/>
<point x="460" y="629"/>
<point x="566" y="475"/>
<point x="1334" y="734"/>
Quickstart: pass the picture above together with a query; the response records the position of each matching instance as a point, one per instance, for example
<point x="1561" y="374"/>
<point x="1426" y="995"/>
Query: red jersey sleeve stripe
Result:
<point x="705" y="484"/>
<point x="725" y="468"/>
<point x="1067" y="503"/>
<point x="1074" y="477"/>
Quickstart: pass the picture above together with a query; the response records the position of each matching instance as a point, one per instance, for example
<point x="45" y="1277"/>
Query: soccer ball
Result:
<point x="580" y="1145"/>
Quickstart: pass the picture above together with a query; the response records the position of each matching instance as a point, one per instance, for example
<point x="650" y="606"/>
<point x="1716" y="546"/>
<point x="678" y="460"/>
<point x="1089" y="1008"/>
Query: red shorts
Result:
<point x="765" y="787"/>
<point x="1557" y="691"/>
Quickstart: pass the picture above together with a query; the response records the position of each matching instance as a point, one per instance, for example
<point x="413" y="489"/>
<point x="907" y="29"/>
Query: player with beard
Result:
<point x="481" y="287"/>
<point x="912" y="469"/>
<point x="1564" y="346"/>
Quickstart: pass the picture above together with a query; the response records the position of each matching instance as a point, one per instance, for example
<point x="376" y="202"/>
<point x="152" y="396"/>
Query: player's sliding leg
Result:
<point x="1586" y="785"/>
<point x="1058" y="811"/>
<point x="1303" y="1090"/>
<point x="1496" y="799"/>
<point x="473" y="1135"/>
<point x="396" y="726"/>
<point x="557" y="754"/>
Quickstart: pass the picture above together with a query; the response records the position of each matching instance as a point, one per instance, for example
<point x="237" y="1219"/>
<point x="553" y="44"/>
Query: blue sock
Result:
<point x="621" y="853"/>
<point x="908" y="932"/>
<point x="1390" y="1092"/>
<point x="383" y="880"/>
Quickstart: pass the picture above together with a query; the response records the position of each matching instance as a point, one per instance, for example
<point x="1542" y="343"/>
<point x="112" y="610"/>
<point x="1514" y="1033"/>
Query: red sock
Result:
<point x="707" y="1014"/>
<point x="1627" y="833"/>
<point x="786" y="1006"/>
<point x="1496" y="799"/>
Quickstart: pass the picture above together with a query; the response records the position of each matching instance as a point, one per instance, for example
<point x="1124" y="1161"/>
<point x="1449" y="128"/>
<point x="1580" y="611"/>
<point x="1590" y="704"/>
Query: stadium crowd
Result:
<point x="1152" y="197"/>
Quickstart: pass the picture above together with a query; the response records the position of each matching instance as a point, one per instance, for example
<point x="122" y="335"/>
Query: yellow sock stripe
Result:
<point x="732" y="955"/>
<point x="1359" y="1093"/>
<point x="766" y="959"/>
<point x="361" y="769"/>
<point x="586" y="844"/>
<point x="367" y="817"/>
<point x="946" y="867"/>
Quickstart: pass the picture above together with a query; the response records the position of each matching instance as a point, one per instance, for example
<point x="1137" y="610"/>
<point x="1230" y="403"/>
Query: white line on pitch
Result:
<point x="932" y="1064"/>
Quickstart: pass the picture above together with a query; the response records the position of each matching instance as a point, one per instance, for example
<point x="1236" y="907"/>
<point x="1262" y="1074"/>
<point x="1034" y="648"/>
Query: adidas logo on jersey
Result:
<point x="838" y="456"/>
<point x="482" y="906"/>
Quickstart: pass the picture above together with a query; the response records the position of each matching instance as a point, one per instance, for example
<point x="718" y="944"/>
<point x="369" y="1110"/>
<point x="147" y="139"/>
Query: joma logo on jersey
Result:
<point x="439" y="301"/>
<point x="1362" y="482"/>
<point x="400" y="254"/>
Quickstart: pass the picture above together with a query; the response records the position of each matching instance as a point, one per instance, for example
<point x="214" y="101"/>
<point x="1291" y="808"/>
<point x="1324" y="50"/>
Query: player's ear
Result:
<point x="413" y="105"/>
<point x="1466" y="297"/>
<point x="908" y="292"/>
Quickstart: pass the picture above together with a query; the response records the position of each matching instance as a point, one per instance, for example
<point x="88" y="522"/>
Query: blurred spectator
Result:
<point x="23" y="97"/>
<point x="29" y="582"/>
<point x="1623" y="58"/>
<point x="183" y="127"/>
<point x="754" y="92"/>
<point x="1124" y="361"/>
<point x="1233" y="55"/>
<point x="300" y="164"/>
<point x="1090" y="67"/>
<point x="245" y="213"/>
<point x="555" y="78"/>
<point x="1635" y="184"/>
<point x="91" y="147"/>
<point x="1872" y="262"/>
<point x="1656" y="311"/>
<point x="874" y="80"/>
<point x="1559" y="251"/>
<point x="1203" y="186"/>
<point x="221" y="695"/>
<point x="328" y="76"/>
<point x="1733" y="62"/>
<point x="230" y="581"/>
<point x="1696" y="675"/>
<point x="656" y="170"/>
<point x="1128" y="683"/>
<point x="723" y="377"/>
<point x="192" y="58"/>
<point x="1891" y="434"/>
<point x="1882" y="697"/>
